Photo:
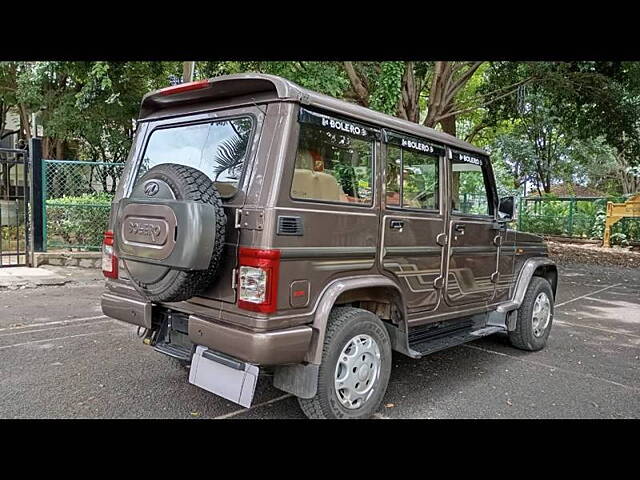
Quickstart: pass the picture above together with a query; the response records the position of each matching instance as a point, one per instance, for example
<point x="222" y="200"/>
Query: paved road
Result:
<point x="60" y="358"/>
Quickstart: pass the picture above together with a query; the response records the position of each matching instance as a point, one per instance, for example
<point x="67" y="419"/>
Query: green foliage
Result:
<point x="573" y="122"/>
<point x="9" y="235"/>
<point x="78" y="221"/>
<point x="386" y="91"/>
<point x="554" y="217"/>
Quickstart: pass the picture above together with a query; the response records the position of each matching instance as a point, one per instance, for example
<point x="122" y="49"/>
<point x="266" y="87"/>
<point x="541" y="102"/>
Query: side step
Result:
<point x="458" y="337"/>
<point x="174" y="350"/>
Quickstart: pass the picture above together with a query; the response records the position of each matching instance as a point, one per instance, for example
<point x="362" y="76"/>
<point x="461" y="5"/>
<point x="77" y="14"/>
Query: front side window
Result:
<point x="412" y="177"/>
<point x="468" y="186"/>
<point x="333" y="166"/>
<point x="218" y="149"/>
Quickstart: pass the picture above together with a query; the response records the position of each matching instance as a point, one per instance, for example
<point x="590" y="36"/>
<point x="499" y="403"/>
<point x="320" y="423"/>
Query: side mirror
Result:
<point x="507" y="209"/>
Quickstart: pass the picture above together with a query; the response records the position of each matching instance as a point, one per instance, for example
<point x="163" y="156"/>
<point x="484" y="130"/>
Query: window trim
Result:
<point x="189" y="123"/>
<point x="438" y="155"/>
<point x="372" y="138"/>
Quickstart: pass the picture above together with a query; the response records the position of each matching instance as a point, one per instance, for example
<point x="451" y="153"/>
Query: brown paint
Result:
<point x="347" y="252"/>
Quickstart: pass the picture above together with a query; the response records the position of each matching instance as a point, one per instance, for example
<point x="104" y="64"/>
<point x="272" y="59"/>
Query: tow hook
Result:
<point x="147" y="334"/>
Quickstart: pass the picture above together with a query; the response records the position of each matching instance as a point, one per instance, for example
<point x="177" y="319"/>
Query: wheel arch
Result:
<point x="539" y="267"/>
<point x="376" y="293"/>
<point x="371" y="292"/>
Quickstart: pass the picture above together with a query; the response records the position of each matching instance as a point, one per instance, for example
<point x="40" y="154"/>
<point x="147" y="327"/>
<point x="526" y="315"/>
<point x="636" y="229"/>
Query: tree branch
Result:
<point x="475" y="107"/>
<point x="357" y="84"/>
<point x="460" y="82"/>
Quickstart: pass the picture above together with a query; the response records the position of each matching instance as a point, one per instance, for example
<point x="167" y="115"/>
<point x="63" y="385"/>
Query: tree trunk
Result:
<point x="358" y="85"/>
<point x="59" y="149"/>
<point x="449" y="125"/>
<point x="25" y="126"/>
<point x="408" y="106"/>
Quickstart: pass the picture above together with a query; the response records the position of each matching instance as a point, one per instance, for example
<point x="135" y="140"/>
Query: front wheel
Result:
<point x="355" y="368"/>
<point x="534" y="317"/>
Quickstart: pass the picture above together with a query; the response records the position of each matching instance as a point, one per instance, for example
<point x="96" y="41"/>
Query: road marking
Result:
<point x="586" y="295"/>
<point x="379" y="416"/>
<point x="632" y="294"/>
<point x="269" y="402"/>
<point x="561" y="322"/>
<point x="588" y="375"/>
<point x="57" y="322"/>
<point x="48" y="329"/>
<point x="60" y="338"/>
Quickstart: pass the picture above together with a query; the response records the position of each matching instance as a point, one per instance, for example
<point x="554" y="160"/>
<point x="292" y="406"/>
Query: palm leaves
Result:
<point x="230" y="155"/>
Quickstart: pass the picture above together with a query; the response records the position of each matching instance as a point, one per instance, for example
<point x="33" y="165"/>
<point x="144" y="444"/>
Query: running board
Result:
<point x="431" y="345"/>
<point x="173" y="350"/>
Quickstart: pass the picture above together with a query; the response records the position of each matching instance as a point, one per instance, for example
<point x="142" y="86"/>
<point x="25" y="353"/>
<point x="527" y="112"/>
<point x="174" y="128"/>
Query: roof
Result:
<point x="271" y="86"/>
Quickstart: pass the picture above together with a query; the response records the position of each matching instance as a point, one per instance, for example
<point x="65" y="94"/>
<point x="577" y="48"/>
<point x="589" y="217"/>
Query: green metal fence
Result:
<point x="77" y="199"/>
<point x="575" y="217"/>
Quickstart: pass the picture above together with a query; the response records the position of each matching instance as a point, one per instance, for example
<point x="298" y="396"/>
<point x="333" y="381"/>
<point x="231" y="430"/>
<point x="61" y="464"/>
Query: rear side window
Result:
<point x="333" y="164"/>
<point x="412" y="174"/>
<point x="218" y="149"/>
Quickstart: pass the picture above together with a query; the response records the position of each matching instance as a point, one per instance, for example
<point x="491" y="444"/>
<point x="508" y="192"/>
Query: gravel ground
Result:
<point x="593" y="254"/>
<point x="60" y="358"/>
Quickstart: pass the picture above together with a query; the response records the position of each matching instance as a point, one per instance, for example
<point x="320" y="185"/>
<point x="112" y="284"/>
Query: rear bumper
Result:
<point x="126" y="309"/>
<point x="275" y="347"/>
<point x="262" y="348"/>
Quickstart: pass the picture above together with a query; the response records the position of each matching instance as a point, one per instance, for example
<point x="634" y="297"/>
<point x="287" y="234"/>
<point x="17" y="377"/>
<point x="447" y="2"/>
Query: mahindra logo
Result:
<point x="145" y="230"/>
<point x="151" y="189"/>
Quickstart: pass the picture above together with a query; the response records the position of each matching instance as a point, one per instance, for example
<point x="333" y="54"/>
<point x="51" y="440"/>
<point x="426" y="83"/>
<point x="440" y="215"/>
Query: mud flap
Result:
<point x="225" y="376"/>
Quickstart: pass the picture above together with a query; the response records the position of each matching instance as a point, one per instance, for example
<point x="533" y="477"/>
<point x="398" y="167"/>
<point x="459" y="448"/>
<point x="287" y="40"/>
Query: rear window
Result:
<point x="218" y="149"/>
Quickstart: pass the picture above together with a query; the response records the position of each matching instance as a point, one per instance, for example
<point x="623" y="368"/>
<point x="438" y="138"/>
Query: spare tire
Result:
<point x="171" y="182"/>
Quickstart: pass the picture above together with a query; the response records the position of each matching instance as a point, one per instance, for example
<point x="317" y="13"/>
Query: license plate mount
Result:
<point x="225" y="376"/>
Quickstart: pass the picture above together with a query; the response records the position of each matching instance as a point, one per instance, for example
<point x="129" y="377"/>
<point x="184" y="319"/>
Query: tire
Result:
<point x="346" y="324"/>
<point x="190" y="184"/>
<point x="524" y="336"/>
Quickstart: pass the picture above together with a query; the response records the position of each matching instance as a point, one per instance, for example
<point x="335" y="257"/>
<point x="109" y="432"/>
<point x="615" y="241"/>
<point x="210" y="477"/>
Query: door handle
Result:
<point x="459" y="229"/>
<point x="397" y="224"/>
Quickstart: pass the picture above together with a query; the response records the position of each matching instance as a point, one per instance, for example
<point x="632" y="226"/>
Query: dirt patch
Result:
<point x="594" y="254"/>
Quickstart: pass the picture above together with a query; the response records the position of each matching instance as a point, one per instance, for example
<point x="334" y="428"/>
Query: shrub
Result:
<point x="78" y="221"/>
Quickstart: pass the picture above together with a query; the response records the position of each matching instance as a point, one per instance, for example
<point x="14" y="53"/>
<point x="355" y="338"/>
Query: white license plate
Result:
<point x="224" y="376"/>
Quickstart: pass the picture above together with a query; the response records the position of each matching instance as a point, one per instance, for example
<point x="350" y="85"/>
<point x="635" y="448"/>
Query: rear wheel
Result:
<point x="355" y="369"/>
<point x="535" y="317"/>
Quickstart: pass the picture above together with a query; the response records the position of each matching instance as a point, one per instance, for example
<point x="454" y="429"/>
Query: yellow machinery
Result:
<point x="618" y="211"/>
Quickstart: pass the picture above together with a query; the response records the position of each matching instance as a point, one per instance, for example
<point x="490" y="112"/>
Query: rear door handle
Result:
<point x="459" y="229"/>
<point x="397" y="224"/>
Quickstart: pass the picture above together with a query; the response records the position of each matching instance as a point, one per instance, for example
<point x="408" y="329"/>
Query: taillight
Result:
<point x="258" y="279"/>
<point x="109" y="259"/>
<point x="184" y="87"/>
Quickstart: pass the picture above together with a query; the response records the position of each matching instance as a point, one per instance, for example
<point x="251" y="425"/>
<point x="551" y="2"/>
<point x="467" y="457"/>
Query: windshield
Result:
<point x="218" y="149"/>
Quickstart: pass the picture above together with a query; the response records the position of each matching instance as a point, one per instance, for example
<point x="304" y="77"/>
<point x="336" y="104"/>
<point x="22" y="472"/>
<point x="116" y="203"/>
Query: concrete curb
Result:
<point x="69" y="259"/>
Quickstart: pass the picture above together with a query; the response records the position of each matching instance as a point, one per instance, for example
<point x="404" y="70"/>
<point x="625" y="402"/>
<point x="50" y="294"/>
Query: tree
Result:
<point x="424" y="92"/>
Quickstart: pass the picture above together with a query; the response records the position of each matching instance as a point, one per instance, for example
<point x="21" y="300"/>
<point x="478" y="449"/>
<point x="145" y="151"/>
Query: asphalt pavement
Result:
<point x="61" y="358"/>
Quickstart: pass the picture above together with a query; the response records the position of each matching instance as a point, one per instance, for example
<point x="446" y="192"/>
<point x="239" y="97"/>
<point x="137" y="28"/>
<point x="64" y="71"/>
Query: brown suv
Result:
<point x="260" y="226"/>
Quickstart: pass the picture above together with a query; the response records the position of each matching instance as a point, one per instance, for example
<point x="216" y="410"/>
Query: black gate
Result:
<point x="14" y="208"/>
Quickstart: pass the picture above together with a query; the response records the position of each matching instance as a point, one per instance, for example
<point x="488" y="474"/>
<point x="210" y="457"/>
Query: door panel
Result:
<point x="471" y="262"/>
<point x="412" y="219"/>
<point x="411" y="255"/>
<point x="473" y="235"/>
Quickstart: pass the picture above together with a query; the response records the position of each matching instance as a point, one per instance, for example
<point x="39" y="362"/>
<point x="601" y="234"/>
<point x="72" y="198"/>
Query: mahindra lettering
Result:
<point x="261" y="228"/>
